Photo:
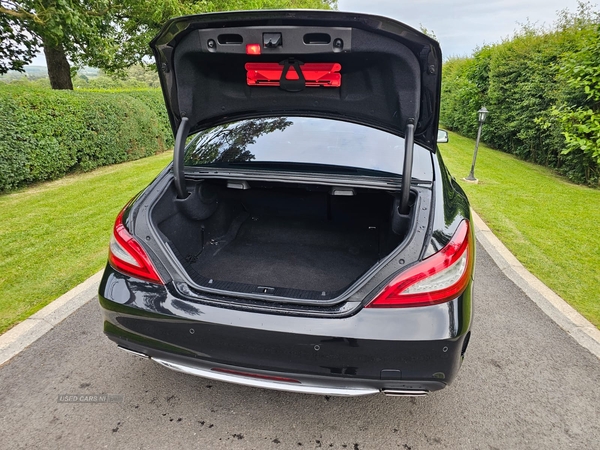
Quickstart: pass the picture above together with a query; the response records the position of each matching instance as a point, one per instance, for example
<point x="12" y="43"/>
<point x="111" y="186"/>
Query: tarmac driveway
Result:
<point x="525" y="384"/>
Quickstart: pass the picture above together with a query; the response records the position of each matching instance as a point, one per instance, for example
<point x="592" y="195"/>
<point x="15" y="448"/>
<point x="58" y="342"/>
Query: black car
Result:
<point x="307" y="237"/>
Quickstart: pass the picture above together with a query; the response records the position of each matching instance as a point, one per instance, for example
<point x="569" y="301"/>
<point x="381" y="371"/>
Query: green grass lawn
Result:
<point x="55" y="235"/>
<point x="549" y="224"/>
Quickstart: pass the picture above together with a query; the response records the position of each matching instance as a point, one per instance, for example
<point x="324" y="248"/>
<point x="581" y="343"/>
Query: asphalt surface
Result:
<point x="524" y="384"/>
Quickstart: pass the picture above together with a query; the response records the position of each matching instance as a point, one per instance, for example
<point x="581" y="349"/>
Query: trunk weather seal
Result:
<point x="344" y="297"/>
<point x="294" y="177"/>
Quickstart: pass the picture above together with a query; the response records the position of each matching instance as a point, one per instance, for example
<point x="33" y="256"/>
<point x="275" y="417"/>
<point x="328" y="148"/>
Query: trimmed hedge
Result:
<point x="542" y="107"/>
<point x="47" y="134"/>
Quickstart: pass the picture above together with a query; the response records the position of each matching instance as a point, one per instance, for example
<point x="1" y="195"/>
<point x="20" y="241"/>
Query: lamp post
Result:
<point x="481" y="115"/>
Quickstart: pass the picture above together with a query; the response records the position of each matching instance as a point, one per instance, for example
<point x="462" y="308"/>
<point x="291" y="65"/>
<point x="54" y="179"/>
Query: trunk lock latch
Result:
<point x="272" y="40"/>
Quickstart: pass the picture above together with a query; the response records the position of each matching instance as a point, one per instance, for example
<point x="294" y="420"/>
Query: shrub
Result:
<point x="541" y="88"/>
<point x="47" y="134"/>
<point x="579" y="113"/>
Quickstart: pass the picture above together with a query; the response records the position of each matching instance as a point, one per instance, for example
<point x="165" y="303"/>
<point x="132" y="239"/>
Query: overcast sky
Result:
<point x="462" y="25"/>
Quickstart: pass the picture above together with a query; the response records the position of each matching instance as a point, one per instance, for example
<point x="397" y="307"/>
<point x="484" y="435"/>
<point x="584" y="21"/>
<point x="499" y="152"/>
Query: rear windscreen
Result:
<point x="305" y="144"/>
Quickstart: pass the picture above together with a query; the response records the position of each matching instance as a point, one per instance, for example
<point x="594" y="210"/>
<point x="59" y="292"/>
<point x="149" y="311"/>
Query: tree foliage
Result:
<point x="109" y="34"/>
<point x="542" y="88"/>
<point x="16" y="48"/>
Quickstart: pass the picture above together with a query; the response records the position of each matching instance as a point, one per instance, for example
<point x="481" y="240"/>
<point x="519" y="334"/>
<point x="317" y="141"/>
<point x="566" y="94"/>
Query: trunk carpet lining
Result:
<point x="298" y="258"/>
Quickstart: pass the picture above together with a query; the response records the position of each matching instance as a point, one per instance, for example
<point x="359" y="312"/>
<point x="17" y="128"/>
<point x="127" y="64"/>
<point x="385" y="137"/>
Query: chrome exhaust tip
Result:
<point x="405" y="392"/>
<point x="133" y="352"/>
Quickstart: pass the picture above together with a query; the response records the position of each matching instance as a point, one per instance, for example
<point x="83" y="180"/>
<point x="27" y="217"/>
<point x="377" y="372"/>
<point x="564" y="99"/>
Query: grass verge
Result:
<point x="55" y="235"/>
<point x="549" y="224"/>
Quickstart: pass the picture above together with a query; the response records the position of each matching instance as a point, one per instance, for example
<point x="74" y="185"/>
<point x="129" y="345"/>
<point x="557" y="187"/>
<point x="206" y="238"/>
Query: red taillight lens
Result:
<point x="437" y="279"/>
<point x="127" y="256"/>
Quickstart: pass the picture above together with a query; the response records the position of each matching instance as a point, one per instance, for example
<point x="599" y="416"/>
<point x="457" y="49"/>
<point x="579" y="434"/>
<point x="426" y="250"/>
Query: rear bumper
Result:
<point x="302" y="384"/>
<point x="412" y="349"/>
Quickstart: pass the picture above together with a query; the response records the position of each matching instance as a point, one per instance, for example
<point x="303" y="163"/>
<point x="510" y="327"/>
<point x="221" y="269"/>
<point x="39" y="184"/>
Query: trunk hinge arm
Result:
<point x="409" y="144"/>
<point x="178" y="153"/>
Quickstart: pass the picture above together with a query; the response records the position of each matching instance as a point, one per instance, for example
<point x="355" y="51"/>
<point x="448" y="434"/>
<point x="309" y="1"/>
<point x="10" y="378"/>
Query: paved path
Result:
<point x="525" y="384"/>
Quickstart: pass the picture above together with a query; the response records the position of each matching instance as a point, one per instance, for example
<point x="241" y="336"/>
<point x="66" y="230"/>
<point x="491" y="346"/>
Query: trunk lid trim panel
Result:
<point x="409" y="66"/>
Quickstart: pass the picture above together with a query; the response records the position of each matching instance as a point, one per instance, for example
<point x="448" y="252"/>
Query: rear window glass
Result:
<point x="304" y="143"/>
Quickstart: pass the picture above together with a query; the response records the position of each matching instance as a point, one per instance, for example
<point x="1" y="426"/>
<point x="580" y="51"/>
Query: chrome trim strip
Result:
<point x="133" y="352"/>
<point x="405" y="392"/>
<point x="266" y="384"/>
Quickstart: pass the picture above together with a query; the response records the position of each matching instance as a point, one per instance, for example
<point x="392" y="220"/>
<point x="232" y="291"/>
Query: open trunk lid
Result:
<point x="217" y="68"/>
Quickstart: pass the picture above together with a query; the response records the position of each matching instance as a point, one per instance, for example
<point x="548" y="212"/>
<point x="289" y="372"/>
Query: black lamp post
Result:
<point x="481" y="115"/>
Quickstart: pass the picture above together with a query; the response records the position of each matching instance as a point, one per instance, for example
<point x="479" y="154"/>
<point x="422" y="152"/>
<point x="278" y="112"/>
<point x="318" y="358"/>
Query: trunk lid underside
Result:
<point x="390" y="73"/>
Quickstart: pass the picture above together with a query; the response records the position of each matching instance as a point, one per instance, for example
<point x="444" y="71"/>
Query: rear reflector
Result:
<point x="255" y="375"/>
<point x="438" y="279"/>
<point x="127" y="256"/>
<point x="315" y="74"/>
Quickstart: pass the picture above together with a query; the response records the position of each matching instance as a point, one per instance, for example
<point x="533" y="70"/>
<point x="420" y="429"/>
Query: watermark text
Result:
<point x="90" y="398"/>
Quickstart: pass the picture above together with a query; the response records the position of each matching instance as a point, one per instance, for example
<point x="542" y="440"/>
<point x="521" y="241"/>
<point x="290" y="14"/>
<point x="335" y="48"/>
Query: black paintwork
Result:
<point x="425" y="344"/>
<point x="335" y="341"/>
<point x="355" y="343"/>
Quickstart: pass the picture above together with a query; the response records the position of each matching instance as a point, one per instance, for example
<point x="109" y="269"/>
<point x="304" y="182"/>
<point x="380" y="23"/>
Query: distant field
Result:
<point x="33" y="72"/>
<point x="549" y="224"/>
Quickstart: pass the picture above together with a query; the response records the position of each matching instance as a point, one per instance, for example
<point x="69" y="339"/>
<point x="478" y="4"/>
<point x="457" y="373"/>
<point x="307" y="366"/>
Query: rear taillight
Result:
<point x="437" y="279"/>
<point x="127" y="256"/>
